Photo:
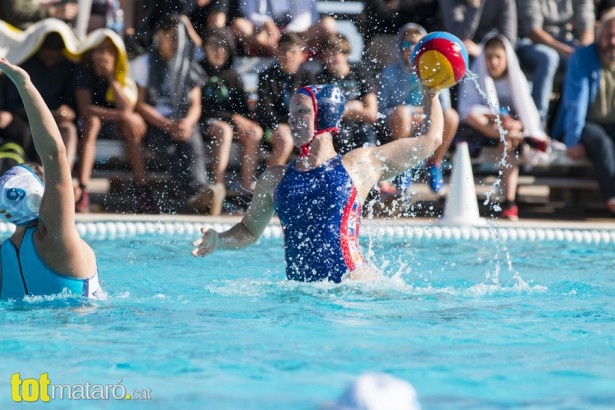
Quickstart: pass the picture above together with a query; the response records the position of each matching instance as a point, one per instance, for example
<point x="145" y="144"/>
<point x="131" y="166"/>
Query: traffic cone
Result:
<point x="461" y="206"/>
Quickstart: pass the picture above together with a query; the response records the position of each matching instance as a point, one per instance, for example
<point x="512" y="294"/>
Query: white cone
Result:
<point x="462" y="205"/>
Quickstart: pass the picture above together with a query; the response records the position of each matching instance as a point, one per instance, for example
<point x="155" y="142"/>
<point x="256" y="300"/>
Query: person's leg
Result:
<point x="510" y="180"/>
<point x="434" y="163"/>
<point x="600" y="146"/>
<point x="68" y="131"/>
<point x="190" y="162"/>
<point x="221" y="135"/>
<point x="134" y="151"/>
<point x="250" y="135"/>
<point x="91" y="125"/>
<point x="399" y="122"/>
<point x="542" y="61"/>
<point x="282" y="143"/>
<point x="87" y="146"/>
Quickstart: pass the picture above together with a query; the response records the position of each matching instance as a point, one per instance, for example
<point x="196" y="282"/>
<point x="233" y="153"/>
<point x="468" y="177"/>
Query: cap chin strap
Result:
<point x="305" y="148"/>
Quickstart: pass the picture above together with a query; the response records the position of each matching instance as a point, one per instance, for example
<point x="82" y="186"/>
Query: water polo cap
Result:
<point x="21" y="191"/>
<point x="328" y="102"/>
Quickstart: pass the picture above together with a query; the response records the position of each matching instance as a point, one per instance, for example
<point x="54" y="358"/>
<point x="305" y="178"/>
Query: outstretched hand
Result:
<point x="12" y="71"/>
<point x="207" y="244"/>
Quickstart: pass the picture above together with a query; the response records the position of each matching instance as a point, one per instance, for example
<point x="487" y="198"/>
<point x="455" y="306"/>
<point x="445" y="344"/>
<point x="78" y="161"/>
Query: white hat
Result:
<point x="21" y="191"/>
<point x="376" y="391"/>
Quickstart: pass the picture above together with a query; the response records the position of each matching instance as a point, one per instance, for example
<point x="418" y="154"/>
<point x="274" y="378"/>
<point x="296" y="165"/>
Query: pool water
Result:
<point x="478" y="324"/>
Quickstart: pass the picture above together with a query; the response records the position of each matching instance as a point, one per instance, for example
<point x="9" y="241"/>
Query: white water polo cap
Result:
<point x="21" y="192"/>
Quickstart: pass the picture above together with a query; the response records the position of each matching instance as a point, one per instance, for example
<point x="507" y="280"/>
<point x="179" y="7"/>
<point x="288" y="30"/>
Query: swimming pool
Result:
<point x="526" y="320"/>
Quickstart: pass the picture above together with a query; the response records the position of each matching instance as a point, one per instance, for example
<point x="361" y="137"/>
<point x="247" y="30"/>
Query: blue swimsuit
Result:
<point x="320" y="216"/>
<point x="25" y="274"/>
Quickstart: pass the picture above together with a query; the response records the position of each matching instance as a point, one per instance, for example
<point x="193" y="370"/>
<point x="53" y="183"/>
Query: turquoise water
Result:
<point x="471" y="324"/>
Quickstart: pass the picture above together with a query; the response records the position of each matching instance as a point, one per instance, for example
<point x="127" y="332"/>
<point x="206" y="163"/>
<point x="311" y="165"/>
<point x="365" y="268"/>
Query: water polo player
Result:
<point x="318" y="197"/>
<point x="45" y="255"/>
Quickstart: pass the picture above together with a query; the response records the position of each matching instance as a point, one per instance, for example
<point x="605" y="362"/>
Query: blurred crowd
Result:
<point x="163" y="77"/>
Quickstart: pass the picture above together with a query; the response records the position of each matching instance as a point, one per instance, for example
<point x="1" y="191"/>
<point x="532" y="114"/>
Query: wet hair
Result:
<point x="337" y="43"/>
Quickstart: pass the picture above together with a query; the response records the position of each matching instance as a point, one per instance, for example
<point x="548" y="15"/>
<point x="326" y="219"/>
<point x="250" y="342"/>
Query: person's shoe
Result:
<point x="208" y="199"/>
<point x="201" y="201"/>
<point x="539" y="144"/>
<point x="145" y="202"/>
<point x="83" y="203"/>
<point x="436" y="180"/>
<point x="511" y="213"/>
<point x="386" y="188"/>
<point x="404" y="182"/>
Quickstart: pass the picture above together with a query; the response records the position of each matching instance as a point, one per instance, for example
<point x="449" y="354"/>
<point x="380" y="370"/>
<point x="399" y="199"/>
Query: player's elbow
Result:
<point x="434" y="140"/>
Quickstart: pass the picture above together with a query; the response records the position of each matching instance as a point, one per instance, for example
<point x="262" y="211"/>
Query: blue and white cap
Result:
<point x="21" y="192"/>
<point x="378" y="391"/>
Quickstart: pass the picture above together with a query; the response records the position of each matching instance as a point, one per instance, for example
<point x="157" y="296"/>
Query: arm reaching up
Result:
<point x="59" y="243"/>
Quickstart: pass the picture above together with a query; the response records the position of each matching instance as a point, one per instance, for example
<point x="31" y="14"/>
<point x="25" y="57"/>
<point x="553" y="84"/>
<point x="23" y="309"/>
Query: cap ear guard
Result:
<point x="328" y="103"/>
<point x="21" y="192"/>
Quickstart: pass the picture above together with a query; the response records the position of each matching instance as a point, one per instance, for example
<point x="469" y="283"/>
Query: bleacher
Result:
<point x="563" y="184"/>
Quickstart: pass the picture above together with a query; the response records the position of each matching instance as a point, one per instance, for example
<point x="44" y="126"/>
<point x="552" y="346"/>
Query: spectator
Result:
<point x="400" y="100"/>
<point x="603" y="6"/>
<point x="361" y="108"/>
<point x="472" y="20"/>
<point x="22" y="13"/>
<point x="106" y="96"/>
<point x="225" y="110"/>
<point x="15" y="135"/>
<point x="386" y="16"/>
<point x="203" y="14"/>
<point x="275" y="87"/>
<point x="49" y="61"/>
<point x="506" y="119"/>
<point x="586" y="121"/>
<point x="381" y="19"/>
<point x="550" y="30"/>
<point x="169" y="101"/>
<point x="261" y="23"/>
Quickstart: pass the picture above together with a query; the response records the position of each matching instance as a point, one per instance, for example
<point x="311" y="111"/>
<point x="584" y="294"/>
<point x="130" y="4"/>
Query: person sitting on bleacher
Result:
<point x="586" y="121"/>
<point x="261" y="23"/>
<point x="169" y="84"/>
<point x="106" y="96"/>
<point x="550" y="30"/>
<point x="472" y="20"/>
<point x="49" y="62"/>
<point x="225" y="110"/>
<point x="400" y="100"/>
<point x="275" y="87"/>
<point x="15" y="135"/>
<point x="361" y="109"/>
<point x="506" y="119"/>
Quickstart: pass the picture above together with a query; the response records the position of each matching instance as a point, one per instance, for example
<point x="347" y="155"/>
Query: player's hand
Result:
<point x="15" y="73"/>
<point x="207" y="244"/>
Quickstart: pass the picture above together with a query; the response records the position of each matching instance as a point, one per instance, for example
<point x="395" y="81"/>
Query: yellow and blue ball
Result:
<point x="440" y="60"/>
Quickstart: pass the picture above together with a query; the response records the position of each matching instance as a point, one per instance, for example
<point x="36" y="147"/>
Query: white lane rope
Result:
<point x="122" y="229"/>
